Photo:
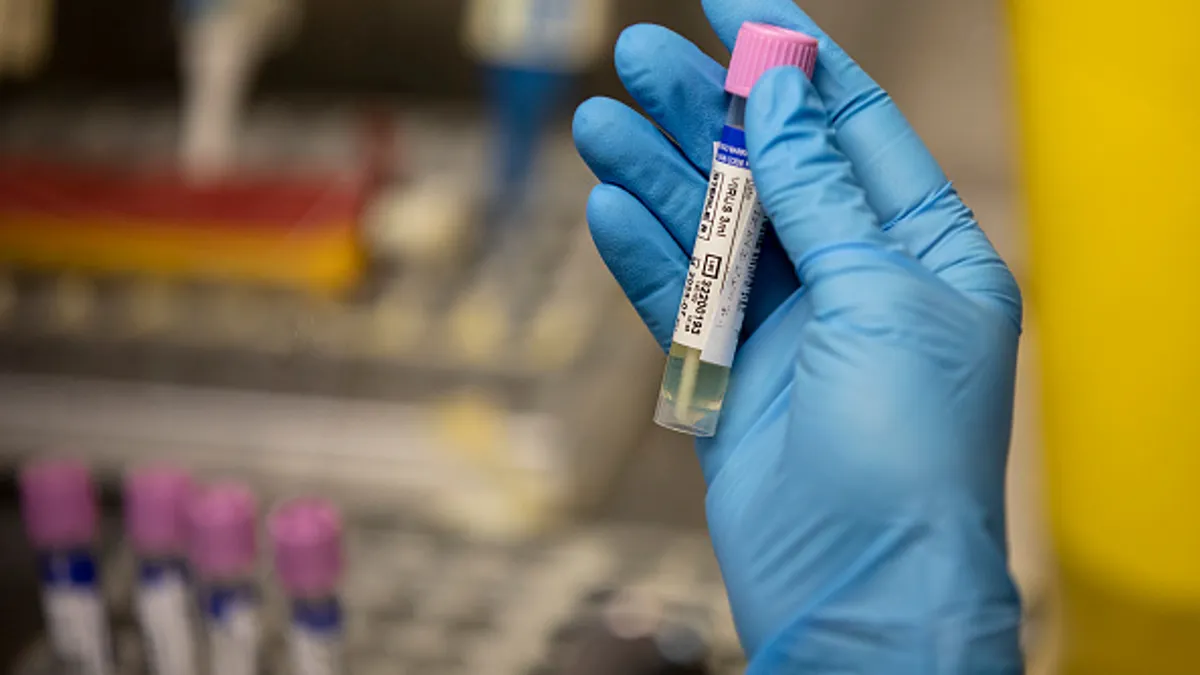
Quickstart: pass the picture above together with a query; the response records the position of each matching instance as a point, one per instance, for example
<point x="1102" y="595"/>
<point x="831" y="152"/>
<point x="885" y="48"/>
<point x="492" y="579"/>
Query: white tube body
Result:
<point x="166" y="613"/>
<point x="315" y="636"/>
<point x="231" y="612"/>
<point x="76" y="622"/>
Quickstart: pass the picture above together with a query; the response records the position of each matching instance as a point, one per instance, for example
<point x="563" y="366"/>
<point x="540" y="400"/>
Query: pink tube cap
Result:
<point x="307" y="536"/>
<point x="58" y="503"/>
<point x="156" y="503"/>
<point x="223" y="541"/>
<point x="760" y="48"/>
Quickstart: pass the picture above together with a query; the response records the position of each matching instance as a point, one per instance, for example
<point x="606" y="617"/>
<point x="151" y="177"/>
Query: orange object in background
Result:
<point x="300" y="232"/>
<point x="1108" y="93"/>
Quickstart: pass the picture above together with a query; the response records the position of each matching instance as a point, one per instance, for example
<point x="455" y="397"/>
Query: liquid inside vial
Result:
<point x="692" y="392"/>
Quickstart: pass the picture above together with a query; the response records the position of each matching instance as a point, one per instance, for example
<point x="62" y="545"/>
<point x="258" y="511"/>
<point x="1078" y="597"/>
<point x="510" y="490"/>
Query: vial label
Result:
<point x="75" y="617"/>
<point x="316" y="639"/>
<point x="233" y="631"/>
<point x="726" y="253"/>
<point x="165" y="611"/>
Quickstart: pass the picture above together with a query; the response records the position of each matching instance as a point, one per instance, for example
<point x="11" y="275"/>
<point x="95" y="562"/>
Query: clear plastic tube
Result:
<point x="727" y="244"/>
<point x="722" y="267"/>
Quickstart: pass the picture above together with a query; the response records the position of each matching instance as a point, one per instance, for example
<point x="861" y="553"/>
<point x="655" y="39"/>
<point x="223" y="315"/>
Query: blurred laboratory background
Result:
<point x="336" y="249"/>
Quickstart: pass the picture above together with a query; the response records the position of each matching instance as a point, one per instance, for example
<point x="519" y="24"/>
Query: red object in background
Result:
<point x="287" y="205"/>
<point x="299" y="229"/>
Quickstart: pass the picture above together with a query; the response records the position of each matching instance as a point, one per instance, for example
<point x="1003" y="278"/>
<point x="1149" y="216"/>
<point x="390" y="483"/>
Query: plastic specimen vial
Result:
<point x="58" y="505"/>
<point x="727" y="243"/>
<point x="223" y="548"/>
<point x="306" y="535"/>
<point x="156" y="502"/>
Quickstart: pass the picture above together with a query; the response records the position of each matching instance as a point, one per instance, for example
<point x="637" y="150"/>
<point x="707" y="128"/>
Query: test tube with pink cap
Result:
<point x="156" y="503"/>
<point x="223" y="550"/>
<point x="58" y="505"/>
<point x="725" y="255"/>
<point x="307" y="539"/>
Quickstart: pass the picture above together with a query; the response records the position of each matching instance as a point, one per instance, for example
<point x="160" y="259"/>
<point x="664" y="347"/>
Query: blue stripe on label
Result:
<point x="731" y="151"/>
<point x="158" y="571"/>
<point x="219" y="603"/>
<point x="74" y="569"/>
<point x="318" y="617"/>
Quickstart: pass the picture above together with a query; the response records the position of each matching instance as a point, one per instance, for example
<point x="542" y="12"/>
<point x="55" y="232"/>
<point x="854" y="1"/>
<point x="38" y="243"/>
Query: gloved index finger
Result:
<point x="678" y="85"/>
<point x="862" y="115"/>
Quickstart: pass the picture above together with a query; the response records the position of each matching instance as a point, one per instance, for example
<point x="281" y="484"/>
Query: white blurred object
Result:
<point x="427" y="223"/>
<point x="223" y="43"/>
<point x="26" y="32"/>
<point x="565" y="35"/>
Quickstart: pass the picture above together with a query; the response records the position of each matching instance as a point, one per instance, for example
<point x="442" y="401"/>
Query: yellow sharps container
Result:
<point x="1109" y="96"/>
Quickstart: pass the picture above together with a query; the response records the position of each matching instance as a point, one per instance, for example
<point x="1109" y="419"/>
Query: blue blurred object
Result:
<point x="856" y="485"/>
<point x="523" y="101"/>
<point x="531" y="51"/>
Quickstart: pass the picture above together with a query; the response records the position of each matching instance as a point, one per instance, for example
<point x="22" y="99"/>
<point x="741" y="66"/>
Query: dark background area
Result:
<point x="944" y="61"/>
<point x="391" y="48"/>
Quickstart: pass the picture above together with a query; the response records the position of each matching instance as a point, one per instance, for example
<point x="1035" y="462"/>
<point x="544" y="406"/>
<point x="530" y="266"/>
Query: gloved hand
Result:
<point x="856" y="481"/>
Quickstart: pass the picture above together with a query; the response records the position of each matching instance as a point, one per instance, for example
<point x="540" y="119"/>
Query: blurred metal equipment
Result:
<point x="495" y="389"/>
<point x="633" y="635"/>
<point x="1110" y="181"/>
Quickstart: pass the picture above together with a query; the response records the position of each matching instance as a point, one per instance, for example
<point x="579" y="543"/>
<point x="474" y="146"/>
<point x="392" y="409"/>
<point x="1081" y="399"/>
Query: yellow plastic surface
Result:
<point x="328" y="261"/>
<point x="1109" y="93"/>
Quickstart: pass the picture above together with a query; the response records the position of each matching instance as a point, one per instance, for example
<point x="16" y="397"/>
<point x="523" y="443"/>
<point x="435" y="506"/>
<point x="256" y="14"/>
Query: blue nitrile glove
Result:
<point x="856" y="481"/>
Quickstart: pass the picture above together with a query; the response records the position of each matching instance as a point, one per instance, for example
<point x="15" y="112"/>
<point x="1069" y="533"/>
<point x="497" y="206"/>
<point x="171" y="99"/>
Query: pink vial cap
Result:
<point x="760" y="48"/>
<point x="58" y="503"/>
<point x="223" y="538"/>
<point x="307" y="536"/>
<point x="156" y="503"/>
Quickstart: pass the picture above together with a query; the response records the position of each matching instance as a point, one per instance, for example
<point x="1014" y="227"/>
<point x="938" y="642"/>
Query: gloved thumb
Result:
<point x="807" y="187"/>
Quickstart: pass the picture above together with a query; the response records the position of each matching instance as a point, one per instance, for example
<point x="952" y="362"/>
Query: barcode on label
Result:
<point x="722" y="265"/>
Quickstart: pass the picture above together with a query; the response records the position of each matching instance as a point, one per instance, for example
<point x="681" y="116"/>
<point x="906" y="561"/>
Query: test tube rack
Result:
<point x="421" y="600"/>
